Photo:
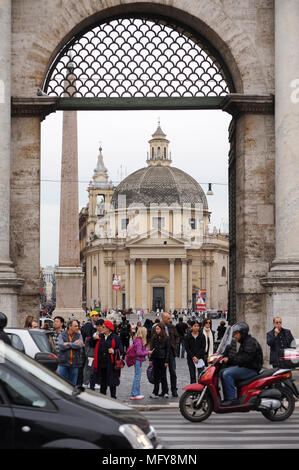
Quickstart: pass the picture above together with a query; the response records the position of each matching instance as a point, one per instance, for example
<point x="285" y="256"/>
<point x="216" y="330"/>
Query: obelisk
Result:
<point x="69" y="273"/>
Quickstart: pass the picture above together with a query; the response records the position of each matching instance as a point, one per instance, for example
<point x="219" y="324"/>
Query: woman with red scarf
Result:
<point x="106" y="349"/>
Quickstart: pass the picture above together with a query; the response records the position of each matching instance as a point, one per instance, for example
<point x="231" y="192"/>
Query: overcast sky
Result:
<point x="198" y="144"/>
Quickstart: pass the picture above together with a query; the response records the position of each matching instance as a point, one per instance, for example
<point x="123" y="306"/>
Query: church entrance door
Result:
<point x="158" y="298"/>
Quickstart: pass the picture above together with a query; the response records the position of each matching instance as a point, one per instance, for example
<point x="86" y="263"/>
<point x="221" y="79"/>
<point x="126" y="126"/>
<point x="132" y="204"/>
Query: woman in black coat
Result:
<point x="160" y="347"/>
<point x="106" y="349"/>
<point x="195" y="347"/>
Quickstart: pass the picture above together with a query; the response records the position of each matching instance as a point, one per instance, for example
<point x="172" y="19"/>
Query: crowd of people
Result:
<point x="89" y="354"/>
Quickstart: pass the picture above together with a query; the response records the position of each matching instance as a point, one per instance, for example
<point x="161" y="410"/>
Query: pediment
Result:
<point x="156" y="238"/>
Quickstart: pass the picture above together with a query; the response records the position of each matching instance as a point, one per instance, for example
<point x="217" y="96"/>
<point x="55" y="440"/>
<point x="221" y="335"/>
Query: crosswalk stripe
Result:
<point x="225" y="431"/>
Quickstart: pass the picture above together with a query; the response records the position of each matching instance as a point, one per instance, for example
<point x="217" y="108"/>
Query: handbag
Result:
<point x="150" y="374"/>
<point x="119" y="363"/>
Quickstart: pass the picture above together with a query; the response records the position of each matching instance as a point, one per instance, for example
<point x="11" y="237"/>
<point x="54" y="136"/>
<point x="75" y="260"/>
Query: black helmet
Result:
<point x="3" y="320"/>
<point x="242" y="327"/>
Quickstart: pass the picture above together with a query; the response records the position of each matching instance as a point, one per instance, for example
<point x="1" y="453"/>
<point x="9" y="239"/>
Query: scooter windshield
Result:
<point x="225" y="341"/>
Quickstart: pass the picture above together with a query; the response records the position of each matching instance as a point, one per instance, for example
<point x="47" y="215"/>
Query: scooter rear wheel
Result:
<point x="193" y="412"/>
<point x="286" y="408"/>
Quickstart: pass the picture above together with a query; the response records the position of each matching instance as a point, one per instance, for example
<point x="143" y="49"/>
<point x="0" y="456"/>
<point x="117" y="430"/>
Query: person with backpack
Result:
<point x="137" y="353"/>
<point x="124" y="329"/>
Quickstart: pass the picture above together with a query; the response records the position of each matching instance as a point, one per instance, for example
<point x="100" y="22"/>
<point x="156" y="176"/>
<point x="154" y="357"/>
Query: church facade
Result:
<point x="147" y="240"/>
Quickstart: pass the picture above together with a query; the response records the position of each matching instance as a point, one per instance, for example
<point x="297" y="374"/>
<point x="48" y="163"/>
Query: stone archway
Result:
<point x="251" y="134"/>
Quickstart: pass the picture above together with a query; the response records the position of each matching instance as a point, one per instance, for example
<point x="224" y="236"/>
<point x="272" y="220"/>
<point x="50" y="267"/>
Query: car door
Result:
<point x="6" y="422"/>
<point x="34" y="414"/>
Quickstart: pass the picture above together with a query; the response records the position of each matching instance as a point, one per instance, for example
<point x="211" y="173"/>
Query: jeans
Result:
<point x="69" y="373"/>
<point x="136" y="382"/>
<point x="229" y="376"/>
<point x="182" y="348"/>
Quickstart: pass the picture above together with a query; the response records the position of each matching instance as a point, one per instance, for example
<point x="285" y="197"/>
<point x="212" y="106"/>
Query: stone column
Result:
<point x="171" y="284"/>
<point x="286" y="135"/>
<point x="132" y="284"/>
<point x="144" y="284"/>
<point x="9" y="283"/>
<point x="189" y="283"/>
<point x="127" y="284"/>
<point x="282" y="282"/>
<point x="109" y="264"/>
<point x="184" y="283"/>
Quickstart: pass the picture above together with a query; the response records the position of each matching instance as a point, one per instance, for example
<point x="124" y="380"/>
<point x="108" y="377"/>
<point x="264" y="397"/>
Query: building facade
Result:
<point x="148" y="245"/>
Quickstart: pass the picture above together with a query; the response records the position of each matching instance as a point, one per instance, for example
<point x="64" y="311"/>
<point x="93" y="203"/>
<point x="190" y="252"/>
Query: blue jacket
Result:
<point x="278" y="343"/>
<point x="70" y="351"/>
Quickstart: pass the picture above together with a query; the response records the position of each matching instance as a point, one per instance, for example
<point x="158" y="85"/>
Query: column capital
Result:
<point x="237" y="104"/>
<point x="184" y="260"/>
<point x="109" y="262"/>
<point x="171" y="260"/>
<point x="144" y="260"/>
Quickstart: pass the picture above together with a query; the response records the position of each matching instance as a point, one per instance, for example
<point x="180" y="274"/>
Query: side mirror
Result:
<point x="47" y="359"/>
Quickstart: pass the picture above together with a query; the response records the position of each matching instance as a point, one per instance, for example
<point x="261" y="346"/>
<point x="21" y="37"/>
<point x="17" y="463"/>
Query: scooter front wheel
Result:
<point x="286" y="408"/>
<point x="194" y="411"/>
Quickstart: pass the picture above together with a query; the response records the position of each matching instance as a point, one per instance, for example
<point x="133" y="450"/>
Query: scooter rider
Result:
<point x="3" y="322"/>
<point x="246" y="363"/>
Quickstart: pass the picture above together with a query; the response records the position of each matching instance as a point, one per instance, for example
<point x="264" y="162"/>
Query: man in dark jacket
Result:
<point x="70" y="343"/>
<point x="174" y="338"/>
<point x="246" y="363"/>
<point x="278" y="338"/>
<point x="182" y="328"/>
<point x="3" y="322"/>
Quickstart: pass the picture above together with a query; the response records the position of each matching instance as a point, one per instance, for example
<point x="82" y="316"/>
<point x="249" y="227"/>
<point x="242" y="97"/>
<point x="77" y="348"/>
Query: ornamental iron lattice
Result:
<point x="137" y="57"/>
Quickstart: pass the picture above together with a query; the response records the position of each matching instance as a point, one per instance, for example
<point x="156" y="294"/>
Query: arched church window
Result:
<point x="153" y="152"/>
<point x="164" y="152"/>
<point x="95" y="272"/>
<point x="223" y="272"/>
<point x="159" y="152"/>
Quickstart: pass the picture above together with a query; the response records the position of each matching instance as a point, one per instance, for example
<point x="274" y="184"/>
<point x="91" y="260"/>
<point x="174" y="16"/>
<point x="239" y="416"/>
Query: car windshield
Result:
<point x="226" y="340"/>
<point x="41" y="340"/>
<point x="27" y="364"/>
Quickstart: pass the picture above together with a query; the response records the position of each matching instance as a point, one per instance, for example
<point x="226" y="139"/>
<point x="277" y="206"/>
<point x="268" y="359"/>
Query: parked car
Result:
<point x="35" y="343"/>
<point x="40" y="410"/>
<point x="44" y="320"/>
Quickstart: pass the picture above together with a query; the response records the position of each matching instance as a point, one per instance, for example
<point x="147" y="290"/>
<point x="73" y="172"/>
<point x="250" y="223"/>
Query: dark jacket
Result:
<point x="181" y="327"/>
<point x="106" y="362"/>
<point x="195" y="346"/>
<point x="174" y="339"/>
<point x="278" y="343"/>
<point x="87" y="330"/>
<point x="250" y="354"/>
<point x="220" y="332"/>
<point x="161" y="349"/>
<point x="69" y="354"/>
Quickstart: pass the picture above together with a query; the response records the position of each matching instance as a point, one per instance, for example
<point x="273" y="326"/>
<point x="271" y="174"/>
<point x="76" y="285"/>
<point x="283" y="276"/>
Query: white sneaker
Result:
<point x="139" y="397"/>
<point x="97" y="386"/>
<point x="154" y="396"/>
<point x="166" y="395"/>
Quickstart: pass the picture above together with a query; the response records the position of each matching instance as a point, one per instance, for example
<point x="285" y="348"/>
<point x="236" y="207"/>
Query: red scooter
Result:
<point x="271" y="392"/>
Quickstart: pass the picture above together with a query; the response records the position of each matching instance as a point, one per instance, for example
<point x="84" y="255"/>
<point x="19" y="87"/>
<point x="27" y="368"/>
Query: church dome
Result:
<point x="158" y="184"/>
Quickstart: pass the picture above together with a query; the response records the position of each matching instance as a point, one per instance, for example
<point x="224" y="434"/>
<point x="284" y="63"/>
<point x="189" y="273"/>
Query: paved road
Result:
<point x="231" y="431"/>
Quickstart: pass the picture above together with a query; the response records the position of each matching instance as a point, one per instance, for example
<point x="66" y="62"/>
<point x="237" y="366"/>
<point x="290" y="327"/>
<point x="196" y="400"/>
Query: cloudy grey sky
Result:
<point x="198" y="144"/>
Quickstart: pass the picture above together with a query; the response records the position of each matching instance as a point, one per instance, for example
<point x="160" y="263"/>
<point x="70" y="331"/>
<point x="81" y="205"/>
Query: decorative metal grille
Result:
<point x="137" y="57"/>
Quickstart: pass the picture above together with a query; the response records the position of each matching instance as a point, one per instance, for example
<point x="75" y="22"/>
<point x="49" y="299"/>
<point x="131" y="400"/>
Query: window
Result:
<point x="41" y="340"/>
<point x="158" y="222"/>
<point x="94" y="271"/>
<point x="223" y="272"/>
<point x="16" y="342"/>
<point x="164" y="152"/>
<point x="124" y="224"/>
<point x="192" y="223"/>
<point x="20" y="393"/>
